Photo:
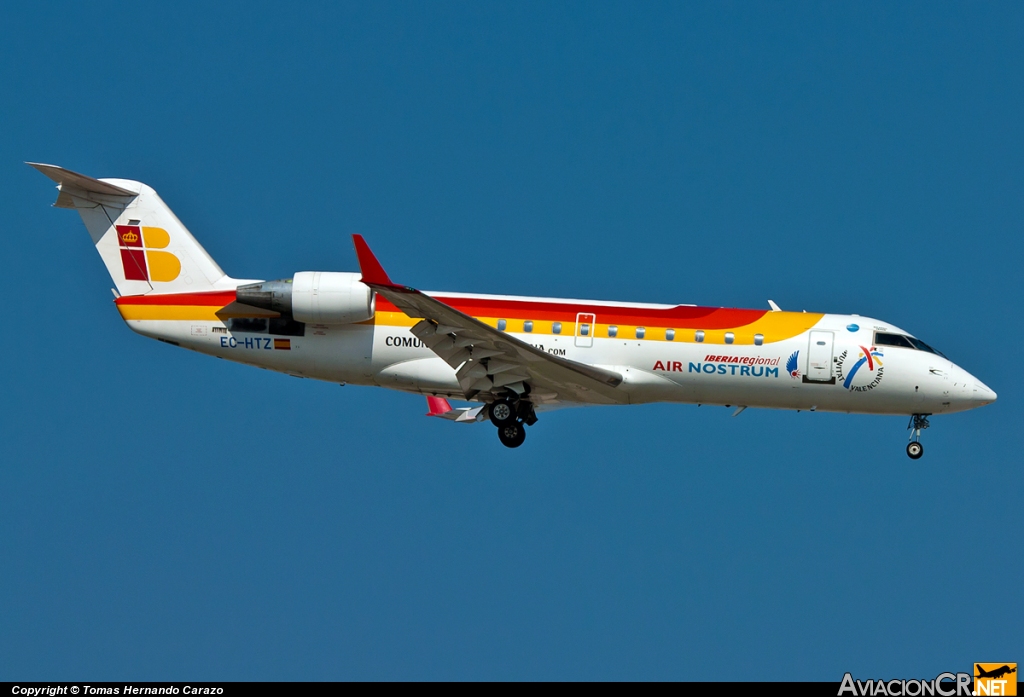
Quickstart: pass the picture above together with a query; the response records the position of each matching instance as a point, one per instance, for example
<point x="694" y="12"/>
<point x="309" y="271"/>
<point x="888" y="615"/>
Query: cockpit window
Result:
<point x="892" y="340"/>
<point x="884" y="339"/>
<point x="921" y="346"/>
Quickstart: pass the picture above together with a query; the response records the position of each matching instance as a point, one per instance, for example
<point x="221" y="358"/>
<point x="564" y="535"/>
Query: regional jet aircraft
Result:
<point x="509" y="357"/>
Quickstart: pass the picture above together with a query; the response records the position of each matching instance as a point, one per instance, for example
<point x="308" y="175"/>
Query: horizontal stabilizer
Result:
<point x="66" y="176"/>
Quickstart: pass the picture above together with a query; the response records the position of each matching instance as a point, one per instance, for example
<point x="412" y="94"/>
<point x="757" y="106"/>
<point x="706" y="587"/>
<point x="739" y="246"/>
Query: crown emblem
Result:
<point x="129" y="237"/>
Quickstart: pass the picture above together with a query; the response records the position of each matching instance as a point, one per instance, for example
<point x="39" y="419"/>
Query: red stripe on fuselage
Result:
<point x="680" y="317"/>
<point x="216" y="298"/>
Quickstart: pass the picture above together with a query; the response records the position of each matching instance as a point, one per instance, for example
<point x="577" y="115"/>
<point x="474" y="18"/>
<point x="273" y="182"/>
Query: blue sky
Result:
<point x="165" y="516"/>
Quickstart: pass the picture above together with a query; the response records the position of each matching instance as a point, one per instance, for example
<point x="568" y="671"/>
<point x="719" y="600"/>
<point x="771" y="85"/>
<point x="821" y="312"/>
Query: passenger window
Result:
<point x="613" y="331"/>
<point x="528" y="326"/>
<point x="556" y="327"/>
<point x="670" y="335"/>
<point x="584" y="329"/>
<point x="502" y="324"/>
<point x="758" y="339"/>
<point x="640" y="331"/>
<point x="729" y="337"/>
<point x="698" y="336"/>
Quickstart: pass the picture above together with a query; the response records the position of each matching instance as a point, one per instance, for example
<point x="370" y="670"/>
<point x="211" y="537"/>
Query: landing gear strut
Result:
<point x="918" y="422"/>
<point x="511" y="417"/>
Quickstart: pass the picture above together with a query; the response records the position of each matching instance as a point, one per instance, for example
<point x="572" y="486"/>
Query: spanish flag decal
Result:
<point x="283" y="344"/>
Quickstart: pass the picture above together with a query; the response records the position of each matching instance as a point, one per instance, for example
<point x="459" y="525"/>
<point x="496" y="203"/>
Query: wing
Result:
<point x="489" y="361"/>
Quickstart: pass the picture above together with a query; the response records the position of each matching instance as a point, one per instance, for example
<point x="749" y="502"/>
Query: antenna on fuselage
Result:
<point x="775" y="308"/>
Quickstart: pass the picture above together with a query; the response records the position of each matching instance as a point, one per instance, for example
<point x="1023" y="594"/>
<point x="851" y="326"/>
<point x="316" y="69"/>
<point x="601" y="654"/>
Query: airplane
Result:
<point x="995" y="673"/>
<point x="510" y="357"/>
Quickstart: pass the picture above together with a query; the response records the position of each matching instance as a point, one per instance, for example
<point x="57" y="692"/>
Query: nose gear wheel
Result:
<point x="918" y="423"/>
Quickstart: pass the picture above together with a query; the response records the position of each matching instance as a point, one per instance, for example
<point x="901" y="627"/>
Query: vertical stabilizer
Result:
<point x="144" y="246"/>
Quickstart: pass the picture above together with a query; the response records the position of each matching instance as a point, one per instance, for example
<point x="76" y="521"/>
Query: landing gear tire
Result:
<point x="918" y="423"/>
<point x="502" y="413"/>
<point x="512" y="435"/>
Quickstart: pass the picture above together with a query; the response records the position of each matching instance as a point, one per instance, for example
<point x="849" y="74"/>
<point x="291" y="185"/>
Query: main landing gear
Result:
<point x="918" y="422"/>
<point x="511" y="416"/>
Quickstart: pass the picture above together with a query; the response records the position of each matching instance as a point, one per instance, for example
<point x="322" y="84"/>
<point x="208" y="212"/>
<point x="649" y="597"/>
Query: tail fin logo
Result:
<point x="141" y="256"/>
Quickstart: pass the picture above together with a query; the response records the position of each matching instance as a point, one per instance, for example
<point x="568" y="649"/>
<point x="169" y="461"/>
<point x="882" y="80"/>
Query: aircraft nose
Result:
<point x="982" y="393"/>
<point x="971" y="392"/>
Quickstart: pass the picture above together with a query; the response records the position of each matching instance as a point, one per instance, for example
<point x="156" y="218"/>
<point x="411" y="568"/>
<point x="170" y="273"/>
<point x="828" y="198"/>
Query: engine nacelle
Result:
<point x="327" y="297"/>
<point x="318" y="297"/>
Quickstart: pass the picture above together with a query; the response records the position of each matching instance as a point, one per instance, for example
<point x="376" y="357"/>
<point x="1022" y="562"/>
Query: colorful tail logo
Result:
<point x="139" y="257"/>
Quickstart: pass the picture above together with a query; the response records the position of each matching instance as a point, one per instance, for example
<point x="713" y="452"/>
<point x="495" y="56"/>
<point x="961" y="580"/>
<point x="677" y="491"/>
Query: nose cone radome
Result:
<point x="982" y="393"/>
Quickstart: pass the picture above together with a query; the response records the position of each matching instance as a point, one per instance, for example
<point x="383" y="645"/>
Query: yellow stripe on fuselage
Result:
<point x="203" y="313"/>
<point x="774" y="326"/>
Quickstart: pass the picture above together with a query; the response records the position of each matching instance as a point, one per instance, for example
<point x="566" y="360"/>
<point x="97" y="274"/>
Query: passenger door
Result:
<point x="819" y="357"/>
<point x="585" y="329"/>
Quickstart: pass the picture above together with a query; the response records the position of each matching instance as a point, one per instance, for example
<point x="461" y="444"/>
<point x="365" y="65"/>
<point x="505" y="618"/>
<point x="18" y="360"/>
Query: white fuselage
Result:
<point x="896" y="380"/>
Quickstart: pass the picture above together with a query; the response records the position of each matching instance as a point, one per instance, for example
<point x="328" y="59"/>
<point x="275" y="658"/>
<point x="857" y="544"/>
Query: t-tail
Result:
<point x="146" y="249"/>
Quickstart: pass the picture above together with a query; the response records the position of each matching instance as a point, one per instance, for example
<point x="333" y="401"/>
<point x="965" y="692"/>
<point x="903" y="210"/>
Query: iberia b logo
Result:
<point x="995" y="679"/>
<point x="139" y="255"/>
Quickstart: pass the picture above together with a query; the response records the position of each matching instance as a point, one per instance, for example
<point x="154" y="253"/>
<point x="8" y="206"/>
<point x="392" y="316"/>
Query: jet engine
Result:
<point x="318" y="297"/>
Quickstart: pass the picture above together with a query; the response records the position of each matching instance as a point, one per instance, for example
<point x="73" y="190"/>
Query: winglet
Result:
<point x="437" y="406"/>
<point x="373" y="272"/>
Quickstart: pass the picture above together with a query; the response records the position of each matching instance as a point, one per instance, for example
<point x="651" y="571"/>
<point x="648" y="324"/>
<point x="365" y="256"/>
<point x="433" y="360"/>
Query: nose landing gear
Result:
<point x="918" y="422"/>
